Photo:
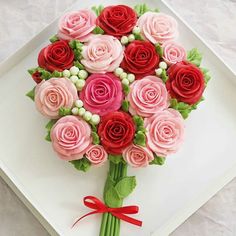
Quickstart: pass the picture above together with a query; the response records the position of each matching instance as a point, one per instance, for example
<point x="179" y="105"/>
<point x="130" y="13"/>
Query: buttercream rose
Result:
<point x="117" y="20"/>
<point x="71" y="137"/>
<point x="56" y="56"/>
<point x="185" y="83"/>
<point x="173" y="52"/>
<point x="52" y="94"/>
<point x="140" y="58"/>
<point x="77" y="25"/>
<point x="96" y="154"/>
<point x="138" y="156"/>
<point x="147" y="96"/>
<point x="116" y="131"/>
<point x="165" y="132"/>
<point x="103" y="53"/>
<point x="158" y="27"/>
<point x="102" y="94"/>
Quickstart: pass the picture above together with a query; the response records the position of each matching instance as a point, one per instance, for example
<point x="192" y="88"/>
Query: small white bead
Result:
<point x="163" y="65"/>
<point x="74" y="79"/>
<point x="95" y="119"/>
<point x="83" y="74"/>
<point x="131" y="78"/>
<point x="74" y="70"/>
<point x="80" y="84"/>
<point x="123" y="75"/>
<point x="118" y="71"/>
<point x="124" y="40"/>
<point x="66" y="73"/>
<point x="75" y="111"/>
<point x="131" y="38"/>
<point x="81" y="111"/>
<point x="136" y="30"/>
<point x="158" y="71"/>
<point x="87" y="115"/>
<point x="125" y="81"/>
<point x="79" y="103"/>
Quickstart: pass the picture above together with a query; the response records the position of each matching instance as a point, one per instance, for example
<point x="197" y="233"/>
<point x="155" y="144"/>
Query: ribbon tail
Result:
<point x="82" y="217"/>
<point x="127" y="219"/>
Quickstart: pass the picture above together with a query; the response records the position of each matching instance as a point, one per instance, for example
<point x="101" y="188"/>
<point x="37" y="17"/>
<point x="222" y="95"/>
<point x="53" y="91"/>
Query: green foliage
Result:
<point x="31" y="94"/>
<point x="54" y="38"/>
<point x="126" y="88"/>
<point x="139" y="123"/>
<point x="112" y="198"/>
<point x="116" y="159"/>
<point x="64" y="111"/>
<point x="205" y="72"/>
<point x="140" y="138"/>
<point x="194" y="56"/>
<point x="57" y="74"/>
<point x="79" y="65"/>
<point x="143" y="8"/>
<point x="159" y="49"/>
<point x="95" y="137"/>
<point x="44" y="73"/>
<point x="98" y="30"/>
<point x="32" y="70"/>
<point x="125" y="186"/>
<point x="158" y="160"/>
<point x="164" y="76"/>
<point x="77" y="47"/>
<point x="82" y="164"/>
<point x="125" y="105"/>
<point x="98" y="9"/>
<point x="49" y="126"/>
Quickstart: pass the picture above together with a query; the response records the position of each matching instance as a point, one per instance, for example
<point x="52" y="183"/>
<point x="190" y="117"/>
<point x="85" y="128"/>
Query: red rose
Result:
<point x="140" y="58"/>
<point x="37" y="77"/>
<point x="116" y="131"/>
<point x="117" y="20"/>
<point x="185" y="83"/>
<point x="56" y="56"/>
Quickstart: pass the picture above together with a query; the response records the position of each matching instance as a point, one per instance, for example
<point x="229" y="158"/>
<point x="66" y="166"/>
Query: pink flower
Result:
<point x="173" y="52"/>
<point x="103" y="53"/>
<point x="71" y="137"/>
<point x="52" y="94"/>
<point x="77" y="25"/>
<point x="165" y="132"/>
<point x="157" y="27"/>
<point x="102" y="94"/>
<point x="137" y="156"/>
<point x="96" y="154"/>
<point x="147" y="96"/>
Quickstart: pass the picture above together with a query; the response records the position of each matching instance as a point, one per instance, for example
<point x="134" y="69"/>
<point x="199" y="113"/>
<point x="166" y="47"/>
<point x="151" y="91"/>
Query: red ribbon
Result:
<point x="120" y="212"/>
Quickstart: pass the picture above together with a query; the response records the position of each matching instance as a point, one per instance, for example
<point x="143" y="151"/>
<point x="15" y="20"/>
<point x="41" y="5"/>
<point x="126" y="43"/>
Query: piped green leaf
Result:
<point x="112" y="198"/>
<point x="50" y="124"/>
<point x="31" y="94"/>
<point x="126" y="88"/>
<point x="140" y="139"/>
<point x="48" y="137"/>
<point x="194" y="56"/>
<point x="54" y="38"/>
<point x="98" y="9"/>
<point x="141" y="9"/>
<point x="32" y="70"/>
<point x="158" y="160"/>
<point x="164" y="76"/>
<point x="125" y="106"/>
<point x="95" y="137"/>
<point x="64" y="111"/>
<point x="98" y="30"/>
<point x="125" y="186"/>
<point x="79" y="65"/>
<point x="159" y="49"/>
<point x="116" y="159"/>
<point x="82" y="164"/>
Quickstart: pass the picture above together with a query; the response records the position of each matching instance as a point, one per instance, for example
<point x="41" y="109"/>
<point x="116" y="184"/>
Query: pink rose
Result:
<point x="137" y="156"/>
<point x="71" y="137"/>
<point x="165" y="132"/>
<point x="173" y="52"/>
<point x="102" y="94"/>
<point x="77" y="25"/>
<point x="52" y="94"/>
<point x="147" y="96"/>
<point x="103" y="53"/>
<point x="96" y="154"/>
<point x="158" y="27"/>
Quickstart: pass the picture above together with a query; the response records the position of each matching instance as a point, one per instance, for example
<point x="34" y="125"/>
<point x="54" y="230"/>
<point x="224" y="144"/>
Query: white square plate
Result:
<point x="167" y="195"/>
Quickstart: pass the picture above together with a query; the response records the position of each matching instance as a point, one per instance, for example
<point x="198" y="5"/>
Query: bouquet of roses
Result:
<point x="116" y="86"/>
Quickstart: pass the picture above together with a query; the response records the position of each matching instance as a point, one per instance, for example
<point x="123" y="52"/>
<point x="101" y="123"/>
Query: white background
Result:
<point x="213" y="19"/>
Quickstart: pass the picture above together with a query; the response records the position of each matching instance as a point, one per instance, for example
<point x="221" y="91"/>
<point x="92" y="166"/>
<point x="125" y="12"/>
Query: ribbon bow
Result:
<point x="120" y="212"/>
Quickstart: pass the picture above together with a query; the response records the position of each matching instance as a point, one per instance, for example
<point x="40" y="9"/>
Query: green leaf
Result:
<point x="95" y="137"/>
<point x="158" y="160"/>
<point x="207" y="77"/>
<point x="48" y="137"/>
<point x="141" y="9"/>
<point x="56" y="74"/>
<point x="125" y="186"/>
<point x="159" y="49"/>
<point x="98" y="30"/>
<point x="50" y="124"/>
<point x="31" y="94"/>
<point x="32" y="70"/>
<point x="82" y="164"/>
<point x="112" y="198"/>
<point x="54" y="38"/>
<point x="194" y="56"/>
<point x="63" y="111"/>
<point x="138" y="36"/>
<point x="140" y="139"/>
<point x="126" y="88"/>
<point x="98" y="9"/>
<point x="116" y="159"/>
<point x="138" y="120"/>
<point x="125" y="105"/>
<point x="164" y="76"/>
<point x="44" y="73"/>
<point x="79" y="65"/>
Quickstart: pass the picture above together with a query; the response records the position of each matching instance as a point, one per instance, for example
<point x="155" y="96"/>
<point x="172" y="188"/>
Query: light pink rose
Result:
<point x="103" y="53"/>
<point x="71" y="137"/>
<point x="147" y="96"/>
<point x="138" y="156"/>
<point x="77" y="25"/>
<point x="165" y="132"/>
<point x="158" y="27"/>
<point x="52" y="94"/>
<point x="173" y="52"/>
<point x="96" y="154"/>
<point x="102" y="94"/>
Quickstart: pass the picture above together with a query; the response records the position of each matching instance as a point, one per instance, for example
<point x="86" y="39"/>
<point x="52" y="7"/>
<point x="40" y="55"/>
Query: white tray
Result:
<point x="168" y="195"/>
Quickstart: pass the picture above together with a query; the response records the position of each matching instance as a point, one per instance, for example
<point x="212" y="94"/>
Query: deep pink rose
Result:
<point x="96" y="154"/>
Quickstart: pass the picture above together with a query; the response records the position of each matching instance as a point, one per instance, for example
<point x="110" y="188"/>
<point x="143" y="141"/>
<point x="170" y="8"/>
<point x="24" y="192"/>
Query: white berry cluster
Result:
<point x="86" y="115"/>
<point x="130" y="38"/>
<point x="76" y="76"/>
<point x="162" y="66"/>
<point x="126" y="78"/>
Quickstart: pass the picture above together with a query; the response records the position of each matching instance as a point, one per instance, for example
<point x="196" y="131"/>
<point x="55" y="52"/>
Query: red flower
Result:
<point x="140" y="58"/>
<point x="37" y="77"/>
<point x="185" y="83"/>
<point x="117" y="20"/>
<point x="116" y="131"/>
<point x="56" y="56"/>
